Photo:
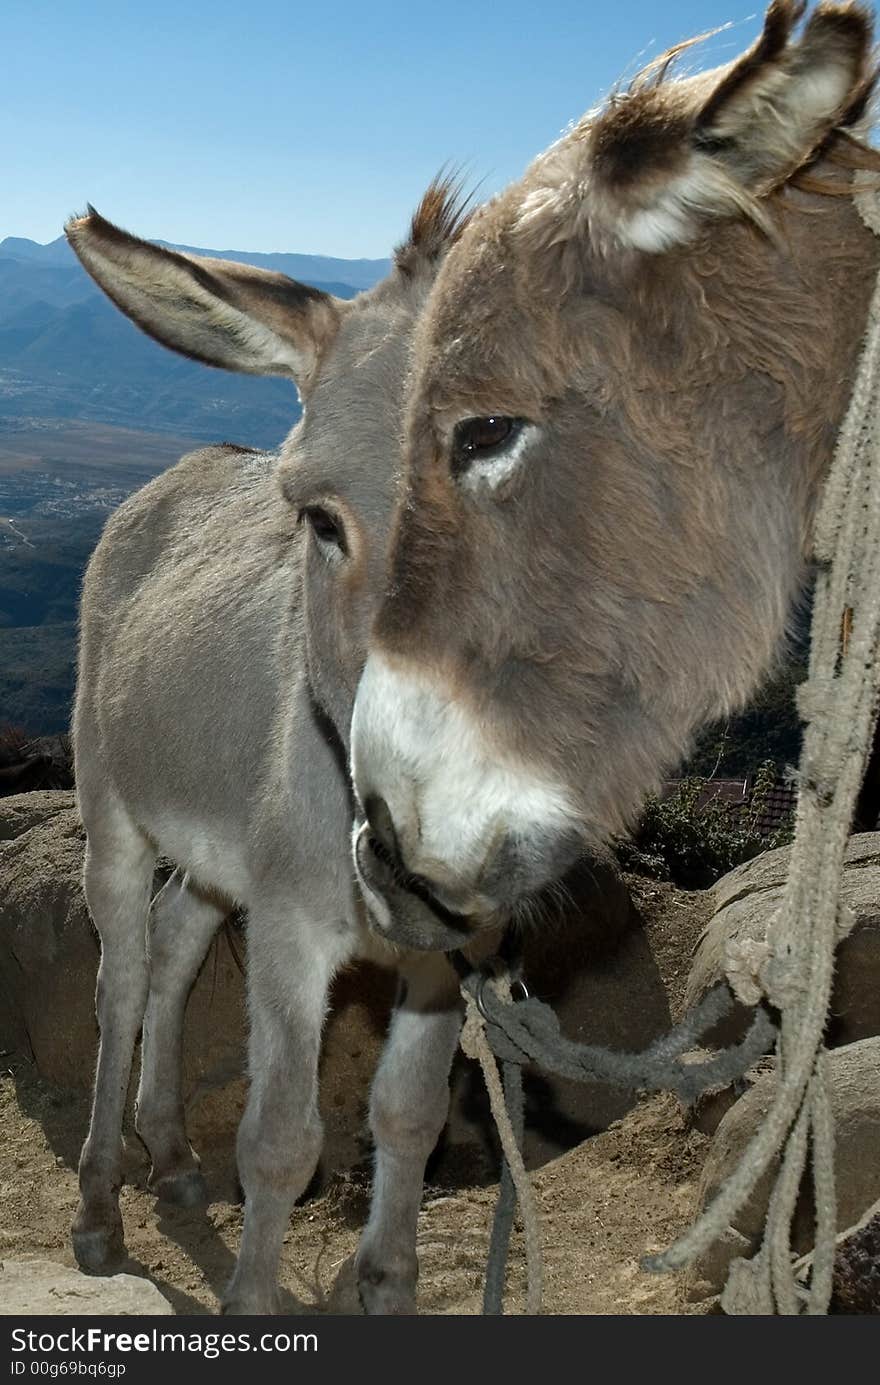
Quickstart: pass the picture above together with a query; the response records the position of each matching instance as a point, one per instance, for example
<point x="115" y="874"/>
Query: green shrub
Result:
<point x="694" y="844"/>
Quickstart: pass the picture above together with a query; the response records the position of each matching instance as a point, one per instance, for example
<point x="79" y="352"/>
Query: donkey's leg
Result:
<point x="118" y="880"/>
<point x="291" y="961"/>
<point x="409" y="1103"/>
<point x="182" y="924"/>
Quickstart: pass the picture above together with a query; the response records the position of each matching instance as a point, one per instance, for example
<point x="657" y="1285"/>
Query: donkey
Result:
<point x="225" y="614"/>
<point x="627" y="385"/>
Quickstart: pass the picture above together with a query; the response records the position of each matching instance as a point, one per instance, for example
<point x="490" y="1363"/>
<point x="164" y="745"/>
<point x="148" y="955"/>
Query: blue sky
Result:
<point x="279" y="126"/>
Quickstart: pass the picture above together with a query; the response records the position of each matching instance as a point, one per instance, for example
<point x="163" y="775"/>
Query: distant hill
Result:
<point x="66" y="352"/>
<point x="312" y="269"/>
<point x="88" y="362"/>
<point x="56" y="252"/>
<point x="58" y="483"/>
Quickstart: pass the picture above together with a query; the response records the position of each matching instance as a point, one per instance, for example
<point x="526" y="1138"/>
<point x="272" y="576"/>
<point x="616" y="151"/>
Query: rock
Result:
<point x="856" y="1286"/>
<point x="856" y="1274"/>
<point x="22" y="811"/>
<point x="745" y="902"/>
<point x="707" y="1276"/>
<point x="855" y="1098"/>
<point x="49" y="958"/>
<point x="709" y="1110"/>
<point x="770" y="869"/>
<point x="48" y="950"/>
<point x="361" y="1002"/>
<point x="37" y="1288"/>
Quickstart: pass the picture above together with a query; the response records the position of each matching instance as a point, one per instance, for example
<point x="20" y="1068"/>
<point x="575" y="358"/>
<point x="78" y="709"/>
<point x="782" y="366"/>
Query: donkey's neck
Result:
<point x="835" y="260"/>
<point x="778" y="332"/>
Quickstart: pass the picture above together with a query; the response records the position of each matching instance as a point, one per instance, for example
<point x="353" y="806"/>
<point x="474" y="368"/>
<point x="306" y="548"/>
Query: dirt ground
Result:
<point x="606" y="1203"/>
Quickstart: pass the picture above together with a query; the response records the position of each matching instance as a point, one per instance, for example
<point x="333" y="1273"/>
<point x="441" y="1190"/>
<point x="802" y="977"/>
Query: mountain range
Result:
<point x="67" y="353"/>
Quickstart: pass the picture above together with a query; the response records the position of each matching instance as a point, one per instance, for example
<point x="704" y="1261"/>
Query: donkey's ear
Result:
<point x="660" y="159"/>
<point x="216" y="311"/>
<point x="775" y="106"/>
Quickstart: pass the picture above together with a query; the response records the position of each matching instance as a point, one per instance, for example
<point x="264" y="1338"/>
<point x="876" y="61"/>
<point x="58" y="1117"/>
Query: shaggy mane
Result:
<point x="437" y="223"/>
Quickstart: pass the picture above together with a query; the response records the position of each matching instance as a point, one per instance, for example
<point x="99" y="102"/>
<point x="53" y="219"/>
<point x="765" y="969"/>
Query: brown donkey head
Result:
<point x="627" y="386"/>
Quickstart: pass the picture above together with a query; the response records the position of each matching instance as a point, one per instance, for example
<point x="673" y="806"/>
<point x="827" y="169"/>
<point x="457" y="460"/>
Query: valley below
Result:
<point x="59" y="480"/>
<point x="91" y="409"/>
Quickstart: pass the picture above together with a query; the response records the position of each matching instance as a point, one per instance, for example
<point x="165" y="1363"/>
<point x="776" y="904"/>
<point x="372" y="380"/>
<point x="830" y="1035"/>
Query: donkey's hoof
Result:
<point x="384" y="1294"/>
<point x="384" y="1301"/>
<point x="243" y="1305"/>
<point x="182" y="1189"/>
<point x="98" y="1251"/>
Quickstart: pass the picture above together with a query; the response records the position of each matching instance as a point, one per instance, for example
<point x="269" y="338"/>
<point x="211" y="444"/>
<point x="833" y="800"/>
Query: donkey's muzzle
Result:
<point x="383" y="834"/>
<point x="459" y="831"/>
<point x="412" y="916"/>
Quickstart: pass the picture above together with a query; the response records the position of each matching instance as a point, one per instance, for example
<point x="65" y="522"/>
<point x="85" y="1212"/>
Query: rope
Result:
<point x="505" y="1207"/>
<point x="795" y="970"/>
<point x="475" y="1045"/>
<point x="528" y="1031"/>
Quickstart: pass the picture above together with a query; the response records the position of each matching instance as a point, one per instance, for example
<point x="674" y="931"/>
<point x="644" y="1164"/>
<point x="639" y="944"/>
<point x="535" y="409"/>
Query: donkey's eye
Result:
<point x="327" y="529"/>
<point x="475" y="438"/>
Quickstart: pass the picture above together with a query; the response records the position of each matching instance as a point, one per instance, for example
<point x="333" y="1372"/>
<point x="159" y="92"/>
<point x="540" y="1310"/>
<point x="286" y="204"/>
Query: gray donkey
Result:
<point x="225" y="616"/>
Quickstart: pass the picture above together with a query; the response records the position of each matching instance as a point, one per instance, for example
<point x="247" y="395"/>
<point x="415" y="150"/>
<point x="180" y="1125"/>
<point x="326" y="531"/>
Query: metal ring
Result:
<point x="478" y="996"/>
<point x="518" y="991"/>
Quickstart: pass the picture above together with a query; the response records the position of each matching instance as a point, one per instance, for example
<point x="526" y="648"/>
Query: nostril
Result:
<point x="382" y="825"/>
<point x="384" y="870"/>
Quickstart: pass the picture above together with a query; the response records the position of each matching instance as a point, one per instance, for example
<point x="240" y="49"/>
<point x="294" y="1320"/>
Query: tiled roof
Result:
<point x="779" y="802"/>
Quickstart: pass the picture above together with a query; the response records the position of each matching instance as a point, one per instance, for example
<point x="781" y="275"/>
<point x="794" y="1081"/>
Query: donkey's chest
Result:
<point x="215" y="858"/>
<point x="281" y="882"/>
